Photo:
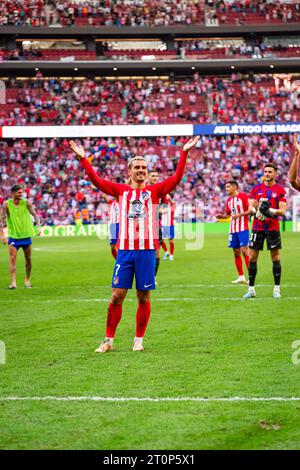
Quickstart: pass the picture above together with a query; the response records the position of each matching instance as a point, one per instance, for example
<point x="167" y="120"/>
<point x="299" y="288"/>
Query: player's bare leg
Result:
<point x="239" y="266"/>
<point x="253" y="257"/>
<point x="12" y="266"/>
<point x="114" y="314"/>
<point x="245" y="253"/>
<point x="142" y="318"/>
<point x="28" y="265"/>
<point x="275" y="256"/>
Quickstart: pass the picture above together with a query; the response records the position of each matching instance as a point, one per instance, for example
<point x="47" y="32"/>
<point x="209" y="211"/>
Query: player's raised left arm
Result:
<point x="33" y="212"/>
<point x="170" y="183"/>
<point x="294" y="168"/>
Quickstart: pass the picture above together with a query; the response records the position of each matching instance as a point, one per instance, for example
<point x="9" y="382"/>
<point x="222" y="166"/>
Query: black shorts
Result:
<point x="160" y="238"/>
<point x="257" y="238"/>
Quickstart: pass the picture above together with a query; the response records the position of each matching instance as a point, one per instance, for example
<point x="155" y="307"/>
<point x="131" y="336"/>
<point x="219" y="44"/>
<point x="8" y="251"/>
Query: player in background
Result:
<point x="295" y="166"/>
<point x="267" y="201"/>
<point x="237" y="207"/>
<point x="114" y="215"/>
<point x="16" y="212"/>
<point x="168" y="228"/>
<point x="153" y="179"/>
<point x="138" y="238"/>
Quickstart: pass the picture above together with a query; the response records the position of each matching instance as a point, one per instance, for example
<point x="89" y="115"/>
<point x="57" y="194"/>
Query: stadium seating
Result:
<point x="149" y="13"/>
<point x="196" y="100"/>
<point x="59" y="54"/>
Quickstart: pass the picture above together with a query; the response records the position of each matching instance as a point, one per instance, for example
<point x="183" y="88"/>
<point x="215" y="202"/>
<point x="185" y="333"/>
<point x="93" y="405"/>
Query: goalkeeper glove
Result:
<point x="260" y="216"/>
<point x="264" y="208"/>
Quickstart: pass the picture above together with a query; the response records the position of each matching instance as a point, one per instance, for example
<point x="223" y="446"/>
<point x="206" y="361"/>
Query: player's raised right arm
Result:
<point x="104" y="185"/>
<point x="294" y="169"/>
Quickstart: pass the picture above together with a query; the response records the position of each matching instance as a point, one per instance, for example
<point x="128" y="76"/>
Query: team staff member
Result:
<point x="268" y="202"/>
<point x="16" y="211"/>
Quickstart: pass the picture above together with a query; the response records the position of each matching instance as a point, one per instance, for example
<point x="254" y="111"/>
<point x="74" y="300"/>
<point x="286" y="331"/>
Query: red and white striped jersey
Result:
<point x="138" y="207"/>
<point x="114" y="213"/>
<point x="168" y="216"/>
<point x="236" y="205"/>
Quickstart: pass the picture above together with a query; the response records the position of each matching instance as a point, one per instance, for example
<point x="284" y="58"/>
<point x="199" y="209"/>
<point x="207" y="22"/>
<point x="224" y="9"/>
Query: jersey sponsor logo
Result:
<point x="136" y="210"/>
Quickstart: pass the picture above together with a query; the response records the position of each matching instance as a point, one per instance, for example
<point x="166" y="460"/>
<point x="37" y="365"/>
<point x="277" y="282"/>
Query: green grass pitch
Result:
<point x="202" y="341"/>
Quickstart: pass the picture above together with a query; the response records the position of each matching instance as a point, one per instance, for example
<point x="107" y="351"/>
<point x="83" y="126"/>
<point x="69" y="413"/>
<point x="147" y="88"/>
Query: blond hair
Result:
<point x="134" y="159"/>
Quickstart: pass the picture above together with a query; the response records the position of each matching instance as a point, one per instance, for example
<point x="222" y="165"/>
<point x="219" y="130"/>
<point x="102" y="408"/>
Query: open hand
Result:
<point x="78" y="149"/>
<point x="4" y="240"/>
<point x="191" y="143"/>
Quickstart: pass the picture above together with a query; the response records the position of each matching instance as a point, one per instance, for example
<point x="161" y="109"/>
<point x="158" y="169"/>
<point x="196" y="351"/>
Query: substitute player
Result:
<point x="237" y="206"/>
<point x="16" y="211"/>
<point x="168" y="228"/>
<point x="295" y="166"/>
<point x="268" y="202"/>
<point x="138" y="238"/>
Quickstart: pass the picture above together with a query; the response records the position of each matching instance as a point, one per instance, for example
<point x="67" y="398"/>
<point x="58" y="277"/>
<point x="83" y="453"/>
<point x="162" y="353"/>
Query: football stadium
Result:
<point x="149" y="219"/>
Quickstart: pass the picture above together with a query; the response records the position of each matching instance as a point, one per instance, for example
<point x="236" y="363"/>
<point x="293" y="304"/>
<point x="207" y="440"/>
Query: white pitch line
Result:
<point x="152" y="399"/>
<point x="167" y="286"/>
<point x="168" y="299"/>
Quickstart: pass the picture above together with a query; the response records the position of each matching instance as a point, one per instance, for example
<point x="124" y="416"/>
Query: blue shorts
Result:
<point x="168" y="231"/>
<point x="140" y="263"/>
<point x="238" y="239"/>
<point x="113" y="233"/>
<point x="20" y="242"/>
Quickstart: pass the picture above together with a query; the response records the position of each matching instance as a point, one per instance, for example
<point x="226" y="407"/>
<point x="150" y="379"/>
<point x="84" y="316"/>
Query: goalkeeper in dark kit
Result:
<point x="268" y="202"/>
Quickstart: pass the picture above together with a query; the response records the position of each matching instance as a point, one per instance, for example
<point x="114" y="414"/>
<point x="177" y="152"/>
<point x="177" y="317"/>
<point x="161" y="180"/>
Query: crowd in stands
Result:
<point x="195" y="49"/>
<point x="56" y="183"/>
<point x="251" y="11"/>
<point x="23" y="13"/>
<point x="145" y="13"/>
<point x="198" y="99"/>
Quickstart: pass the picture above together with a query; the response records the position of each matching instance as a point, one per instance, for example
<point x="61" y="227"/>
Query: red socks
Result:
<point x="164" y="246"/>
<point x="114" y="314"/>
<point x="239" y="264"/>
<point x="171" y="247"/>
<point x="142" y="318"/>
<point x="114" y="252"/>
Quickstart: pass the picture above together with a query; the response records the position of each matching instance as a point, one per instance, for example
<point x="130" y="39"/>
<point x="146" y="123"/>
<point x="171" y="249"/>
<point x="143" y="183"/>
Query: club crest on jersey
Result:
<point x="136" y="210"/>
<point x="145" y="195"/>
<point x="116" y="280"/>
